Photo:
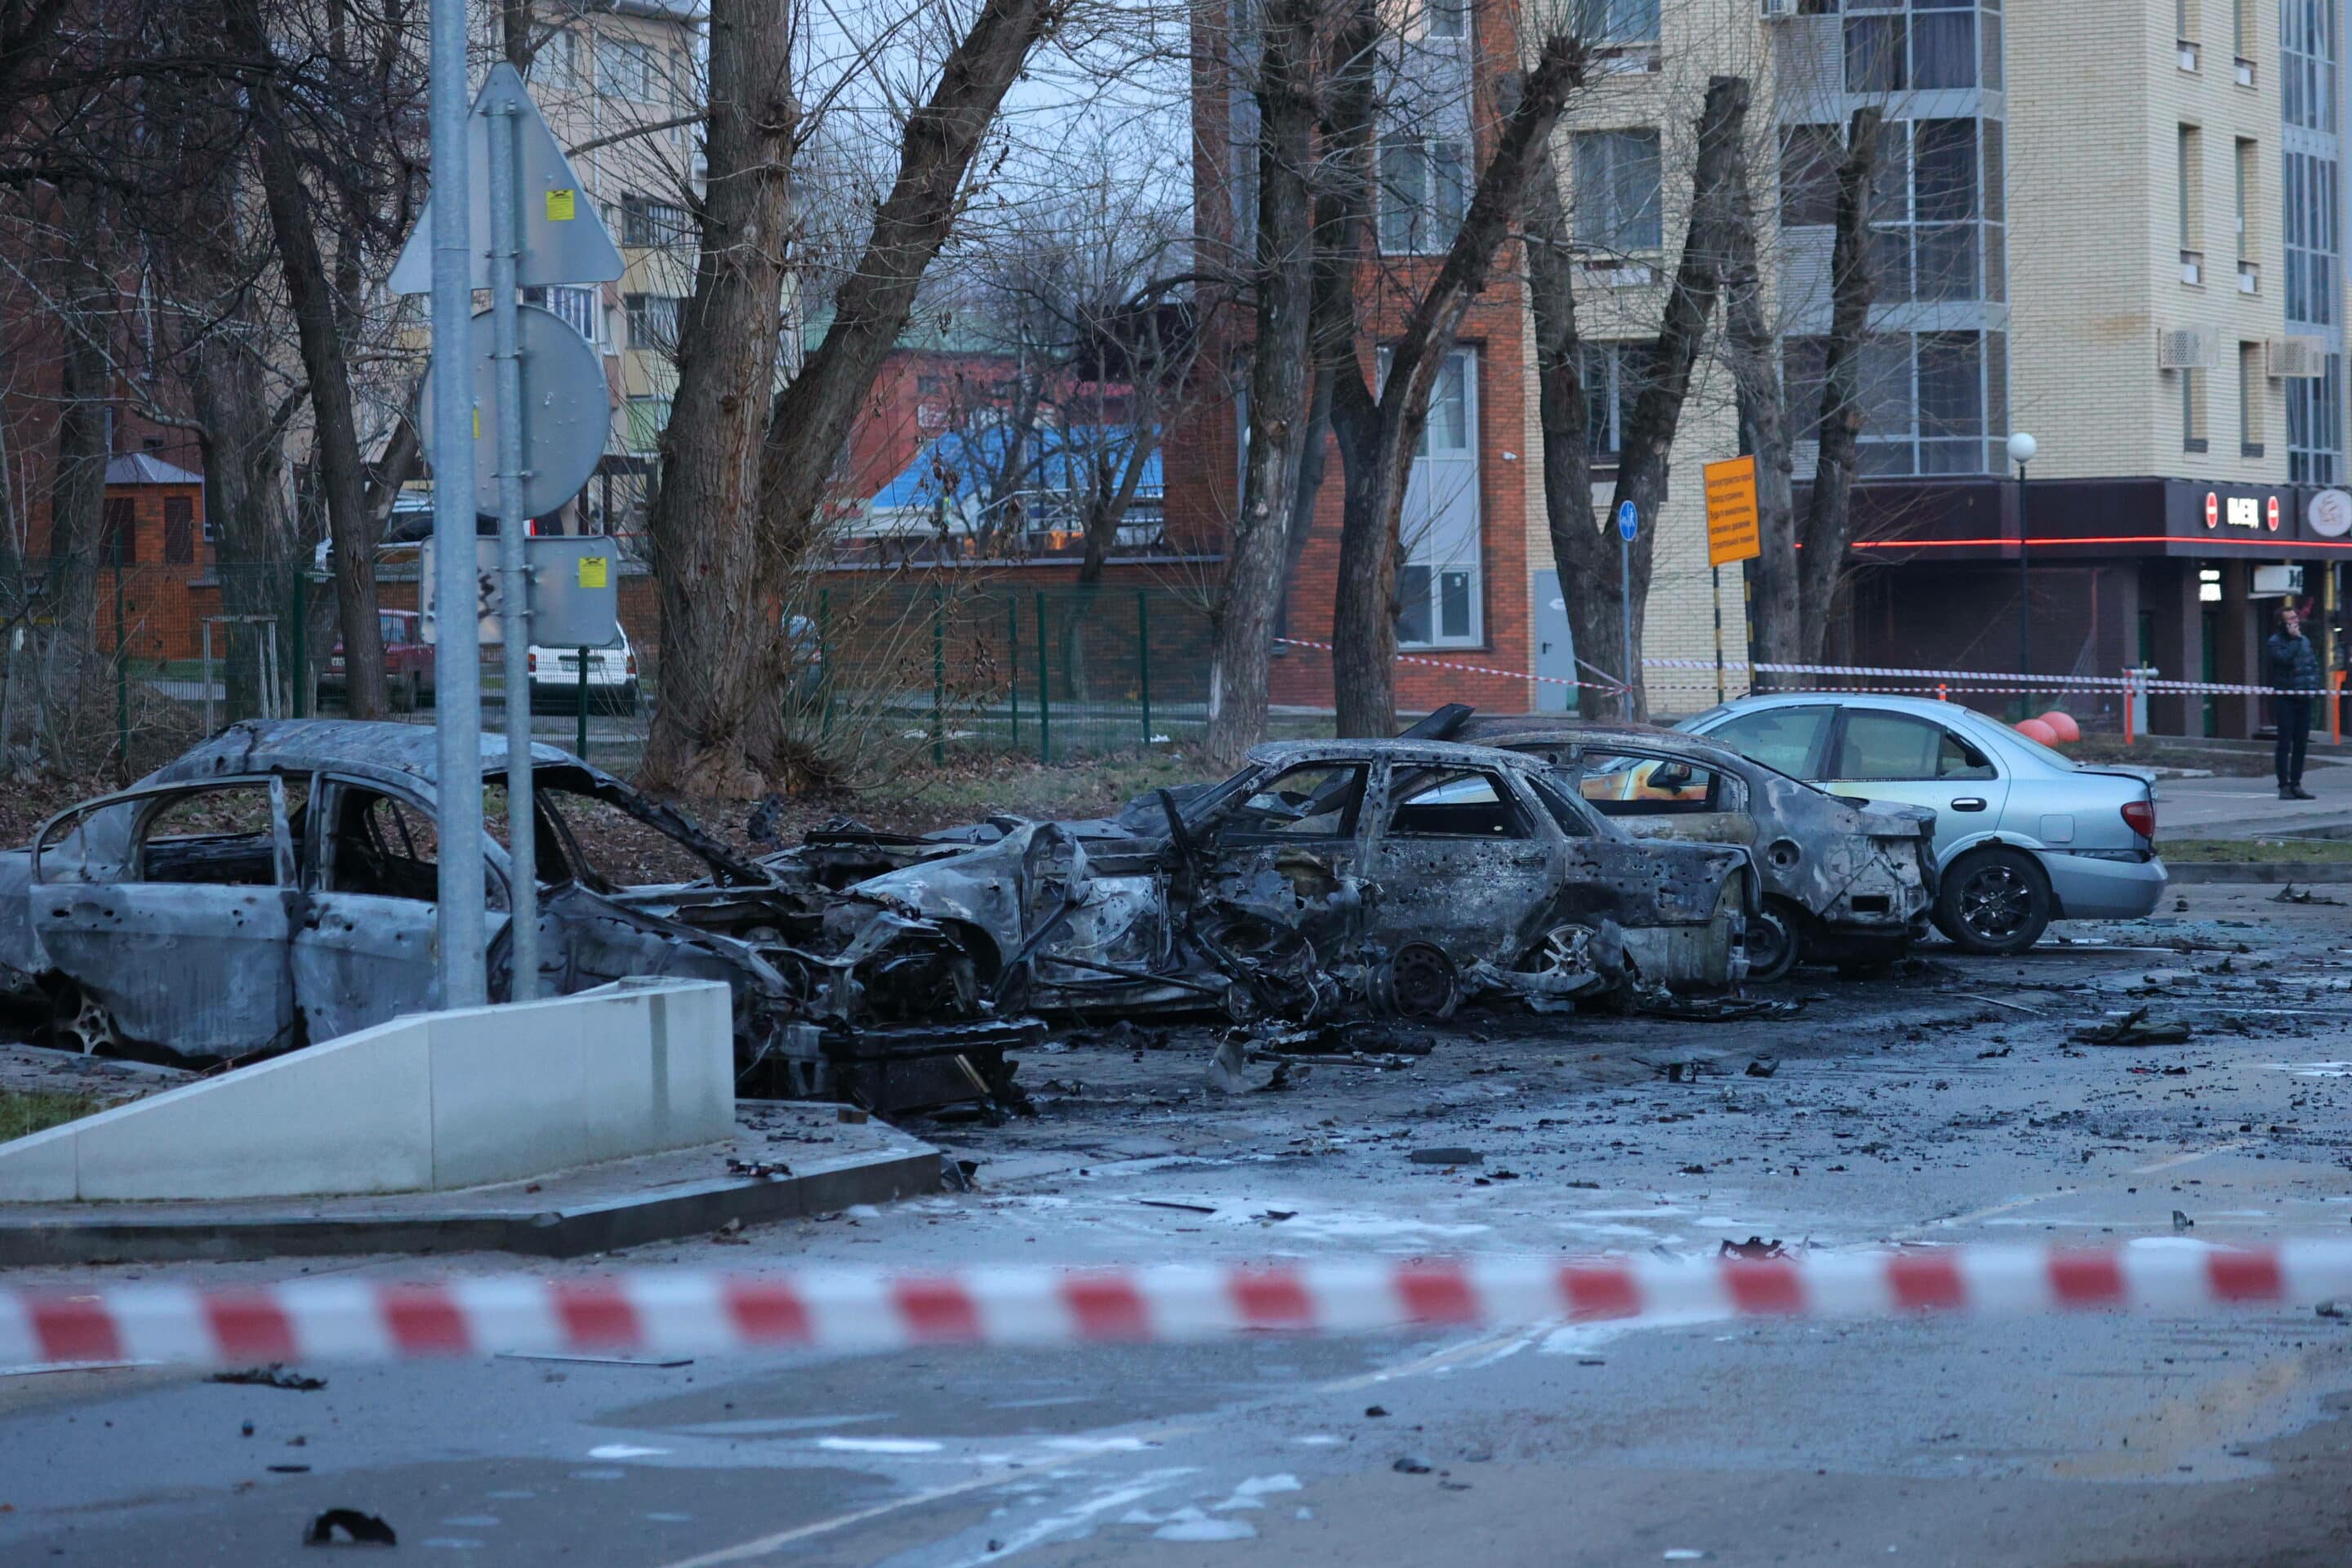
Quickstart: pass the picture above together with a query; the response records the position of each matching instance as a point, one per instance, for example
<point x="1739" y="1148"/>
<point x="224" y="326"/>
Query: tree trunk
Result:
<point x="814" y="415"/>
<point x="1378" y="461"/>
<point x="244" y="458"/>
<point x="78" y="543"/>
<point x="319" y="322"/>
<point x="1753" y="351"/>
<point x="1587" y="554"/>
<point x="720" y="721"/>
<point x="1283" y="281"/>
<point x="1829" y="513"/>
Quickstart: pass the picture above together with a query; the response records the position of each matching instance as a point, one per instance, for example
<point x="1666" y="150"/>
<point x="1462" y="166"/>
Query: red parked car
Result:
<point x="407" y="661"/>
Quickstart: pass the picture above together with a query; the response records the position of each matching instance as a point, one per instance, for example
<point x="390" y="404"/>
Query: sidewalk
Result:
<point x="2250" y="808"/>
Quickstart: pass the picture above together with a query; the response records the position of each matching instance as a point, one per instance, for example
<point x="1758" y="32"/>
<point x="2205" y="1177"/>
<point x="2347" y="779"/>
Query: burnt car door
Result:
<point x="363" y="951"/>
<point x="1285" y="851"/>
<point x="169" y="909"/>
<point x="1461" y="863"/>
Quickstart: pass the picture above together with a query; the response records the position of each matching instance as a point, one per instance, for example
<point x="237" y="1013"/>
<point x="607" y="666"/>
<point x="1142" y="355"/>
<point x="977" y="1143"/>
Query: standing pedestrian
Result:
<point x="2290" y="666"/>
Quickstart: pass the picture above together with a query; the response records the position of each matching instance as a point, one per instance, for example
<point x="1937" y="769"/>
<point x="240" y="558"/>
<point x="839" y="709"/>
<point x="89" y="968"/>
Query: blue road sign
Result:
<point x="1629" y="521"/>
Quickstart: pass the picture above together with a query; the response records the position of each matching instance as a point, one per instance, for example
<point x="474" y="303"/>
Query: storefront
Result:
<point x="2174" y="574"/>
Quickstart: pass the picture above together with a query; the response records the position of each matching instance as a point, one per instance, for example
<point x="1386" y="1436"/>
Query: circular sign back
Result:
<point x="567" y="413"/>
<point x="2329" y="513"/>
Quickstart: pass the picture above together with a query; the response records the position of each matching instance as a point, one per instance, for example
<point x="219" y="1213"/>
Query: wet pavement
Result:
<point x="1942" y="1104"/>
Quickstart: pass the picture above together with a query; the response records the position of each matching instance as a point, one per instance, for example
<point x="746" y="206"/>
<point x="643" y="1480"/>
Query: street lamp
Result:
<point x="2021" y="447"/>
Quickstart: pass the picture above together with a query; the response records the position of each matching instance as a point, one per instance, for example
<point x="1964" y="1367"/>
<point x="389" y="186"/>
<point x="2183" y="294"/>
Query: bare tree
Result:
<point x="1377" y="436"/>
<point x="1588" y="559"/>
<point x="719" y="726"/>
<point x="712" y="734"/>
<point x="1282" y="285"/>
<point x="1797" y="572"/>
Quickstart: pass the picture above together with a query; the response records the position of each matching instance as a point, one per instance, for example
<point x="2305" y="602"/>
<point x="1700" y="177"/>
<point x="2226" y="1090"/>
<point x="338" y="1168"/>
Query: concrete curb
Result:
<point x="695" y="1208"/>
<point x="2269" y="873"/>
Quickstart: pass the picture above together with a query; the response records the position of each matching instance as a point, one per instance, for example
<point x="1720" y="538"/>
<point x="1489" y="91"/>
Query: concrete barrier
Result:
<point x="431" y="1101"/>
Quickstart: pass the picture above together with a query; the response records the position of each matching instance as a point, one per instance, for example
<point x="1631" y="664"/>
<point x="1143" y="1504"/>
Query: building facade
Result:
<point x="2114" y="224"/>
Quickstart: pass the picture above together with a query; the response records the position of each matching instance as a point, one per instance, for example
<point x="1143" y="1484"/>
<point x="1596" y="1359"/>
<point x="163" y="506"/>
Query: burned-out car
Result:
<point x="278" y="885"/>
<point x="1844" y="881"/>
<point x="1395" y="875"/>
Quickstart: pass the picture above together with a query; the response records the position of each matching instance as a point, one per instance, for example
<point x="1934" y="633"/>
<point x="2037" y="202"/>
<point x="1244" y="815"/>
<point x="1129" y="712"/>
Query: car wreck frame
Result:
<point x="220" y="945"/>
<point x="1497" y="882"/>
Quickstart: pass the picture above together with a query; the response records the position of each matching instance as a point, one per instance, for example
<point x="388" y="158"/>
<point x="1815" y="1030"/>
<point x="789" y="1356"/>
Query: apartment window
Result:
<point x="1445" y="18"/>
<point x="1809" y="159"/>
<point x="1617" y="21"/>
<point x="2314" y="426"/>
<point x="1940" y="45"/>
<point x="2248" y="168"/>
<point x="2307" y="59"/>
<point x="1618" y="178"/>
<point x="561" y="63"/>
<point x="1933" y="403"/>
<point x="2250" y="400"/>
<point x="1425" y="190"/>
<point x="645" y="221"/>
<point x="648" y="417"/>
<point x="2188" y="25"/>
<point x="1875" y="51"/>
<point x="624" y="69"/>
<point x="653" y="322"/>
<point x="578" y="306"/>
<point x="1613" y="375"/>
<point x="2242" y="30"/>
<point x="2192" y="412"/>
<point x="1438" y="572"/>
<point x="1938" y="203"/>
<point x="2190" y="178"/>
<point x="2313" y="237"/>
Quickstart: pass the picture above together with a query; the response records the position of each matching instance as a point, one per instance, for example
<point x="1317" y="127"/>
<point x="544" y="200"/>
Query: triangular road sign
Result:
<point x="563" y="239"/>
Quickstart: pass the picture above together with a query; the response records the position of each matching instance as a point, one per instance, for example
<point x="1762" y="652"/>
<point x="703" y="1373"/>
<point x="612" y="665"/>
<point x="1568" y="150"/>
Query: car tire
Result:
<point x="404" y="693"/>
<point x="1995" y="901"/>
<point x="627" y="702"/>
<point x="1772" y="942"/>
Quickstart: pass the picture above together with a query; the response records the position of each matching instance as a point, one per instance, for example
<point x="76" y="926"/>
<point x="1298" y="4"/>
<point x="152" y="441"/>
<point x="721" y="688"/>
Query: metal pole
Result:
<point x="1143" y="659"/>
<point x="1625" y="604"/>
<point x="514" y="557"/>
<point x="122" y="672"/>
<point x="457" y="675"/>
<point x="1716" y="573"/>
<point x="939" y="675"/>
<point x="579" y="740"/>
<point x="2024" y="610"/>
<point x="1045" y="696"/>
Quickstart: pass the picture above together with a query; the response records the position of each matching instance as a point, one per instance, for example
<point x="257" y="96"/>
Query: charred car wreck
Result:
<point x="1395" y="876"/>
<point x="1844" y="881"/>
<point x="277" y="885"/>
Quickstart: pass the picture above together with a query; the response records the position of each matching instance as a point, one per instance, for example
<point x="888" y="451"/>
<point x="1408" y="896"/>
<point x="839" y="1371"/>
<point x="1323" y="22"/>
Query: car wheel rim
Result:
<point x="1768" y="942"/>
<point x="1567" y="950"/>
<point x="1995" y="903"/>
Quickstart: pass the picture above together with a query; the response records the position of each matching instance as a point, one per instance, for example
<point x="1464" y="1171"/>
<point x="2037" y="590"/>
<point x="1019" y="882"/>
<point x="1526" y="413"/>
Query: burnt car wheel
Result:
<point x="80" y="1022"/>
<point x="1996" y="902"/>
<point x="1771" y="944"/>
<point x="1421" y="981"/>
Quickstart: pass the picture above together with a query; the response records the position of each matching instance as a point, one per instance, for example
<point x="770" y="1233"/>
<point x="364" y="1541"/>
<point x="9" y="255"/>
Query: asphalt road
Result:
<point x="1940" y="1106"/>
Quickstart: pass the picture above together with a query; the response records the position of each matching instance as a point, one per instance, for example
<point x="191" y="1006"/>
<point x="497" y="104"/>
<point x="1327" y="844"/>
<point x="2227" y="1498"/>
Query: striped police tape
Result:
<point x="692" y="1312"/>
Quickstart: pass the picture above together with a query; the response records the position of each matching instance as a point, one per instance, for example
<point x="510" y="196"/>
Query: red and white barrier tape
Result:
<point x="1935" y="683"/>
<point x="676" y="1313"/>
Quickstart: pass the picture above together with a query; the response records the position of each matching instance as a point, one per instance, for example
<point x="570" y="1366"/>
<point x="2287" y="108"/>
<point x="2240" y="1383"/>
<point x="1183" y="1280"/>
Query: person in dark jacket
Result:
<point x="2290" y="666"/>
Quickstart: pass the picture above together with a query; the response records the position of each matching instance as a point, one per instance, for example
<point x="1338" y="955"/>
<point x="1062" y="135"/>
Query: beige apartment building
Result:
<point x="2113" y="224"/>
<point x="620" y="83"/>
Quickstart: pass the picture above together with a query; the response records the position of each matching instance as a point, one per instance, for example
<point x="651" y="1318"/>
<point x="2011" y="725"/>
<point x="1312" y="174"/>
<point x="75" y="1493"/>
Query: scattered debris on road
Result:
<point x="2133" y="1029"/>
<point x="357" y="1530"/>
<point x="2291" y="894"/>
<point x="277" y="1374"/>
<point x="1754" y="1249"/>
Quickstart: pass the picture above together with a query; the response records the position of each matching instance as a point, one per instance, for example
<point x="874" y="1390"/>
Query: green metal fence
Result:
<point x="1052" y="673"/>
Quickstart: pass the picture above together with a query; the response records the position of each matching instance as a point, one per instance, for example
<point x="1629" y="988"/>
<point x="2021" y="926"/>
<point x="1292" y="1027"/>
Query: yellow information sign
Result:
<point x="562" y="205"/>
<point x="1731" y="533"/>
<point x="594" y="571"/>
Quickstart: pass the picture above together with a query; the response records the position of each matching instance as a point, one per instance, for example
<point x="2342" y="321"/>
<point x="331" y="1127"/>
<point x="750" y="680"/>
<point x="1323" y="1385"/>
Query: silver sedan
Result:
<point x="2023" y="833"/>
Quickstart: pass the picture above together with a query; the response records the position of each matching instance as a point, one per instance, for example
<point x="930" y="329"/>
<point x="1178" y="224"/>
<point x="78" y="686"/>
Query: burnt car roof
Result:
<point x="306" y="745"/>
<point x="1531" y="726"/>
<point x="1279" y="751"/>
